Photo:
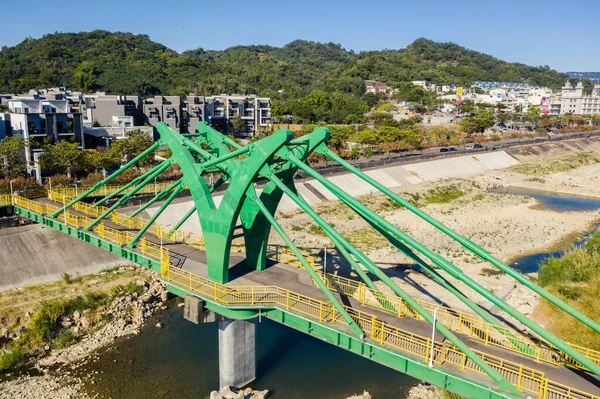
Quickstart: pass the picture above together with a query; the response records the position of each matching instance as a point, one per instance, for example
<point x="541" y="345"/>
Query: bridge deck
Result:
<point x="193" y="259"/>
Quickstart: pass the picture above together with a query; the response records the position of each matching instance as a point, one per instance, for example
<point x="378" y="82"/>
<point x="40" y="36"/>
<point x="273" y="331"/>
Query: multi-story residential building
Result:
<point x="221" y="112"/>
<point x="574" y="102"/>
<point x="40" y="121"/>
<point x="167" y="109"/>
<point x="100" y="108"/>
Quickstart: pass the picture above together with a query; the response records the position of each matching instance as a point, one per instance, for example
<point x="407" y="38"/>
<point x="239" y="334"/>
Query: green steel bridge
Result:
<point x="474" y="354"/>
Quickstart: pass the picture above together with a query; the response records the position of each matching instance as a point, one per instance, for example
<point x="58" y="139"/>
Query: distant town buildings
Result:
<point x="375" y="87"/>
<point x="485" y="85"/>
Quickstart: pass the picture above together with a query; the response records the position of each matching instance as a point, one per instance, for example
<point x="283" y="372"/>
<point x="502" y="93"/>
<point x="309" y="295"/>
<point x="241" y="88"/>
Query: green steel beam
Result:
<point x="452" y="269"/>
<point x="193" y="209"/>
<point x="154" y="217"/>
<point x="493" y="374"/>
<point x="353" y="264"/>
<point x="158" y="196"/>
<point x="465" y="242"/>
<point x="445" y="283"/>
<point x="125" y="198"/>
<point x="134" y="181"/>
<point x="313" y="274"/>
<point x="108" y="179"/>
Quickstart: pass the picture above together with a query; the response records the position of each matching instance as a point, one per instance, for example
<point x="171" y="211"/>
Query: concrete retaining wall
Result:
<point x="36" y="254"/>
<point x="532" y="153"/>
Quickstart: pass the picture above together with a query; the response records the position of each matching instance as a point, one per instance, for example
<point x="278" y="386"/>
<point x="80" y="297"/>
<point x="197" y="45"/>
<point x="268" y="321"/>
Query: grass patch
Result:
<point x="11" y="357"/>
<point x="442" y="195"/>
<point x="576" y="279"/>
<point x="536" y="180"/>
<point x="563" y="164"/>
<point x="366" y="238"/>
<point x="478" y="197"/>
<point x="316" y="229"/>
<point x="490" y="272"/>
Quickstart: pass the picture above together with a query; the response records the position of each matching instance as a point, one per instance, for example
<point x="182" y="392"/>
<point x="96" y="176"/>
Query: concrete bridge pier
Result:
<point x="237" y="352"/>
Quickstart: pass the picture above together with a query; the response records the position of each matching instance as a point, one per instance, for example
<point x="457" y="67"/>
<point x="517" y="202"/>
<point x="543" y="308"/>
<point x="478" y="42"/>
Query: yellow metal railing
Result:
<point x="5" y="200"/>
<point x="283" y="255"/>
<point x="119" y="237"/>
<point x="103" y="191"/>
<point x="459" y="321"/>
<point x="526" y="379"/>
<point x="456" y="320"/>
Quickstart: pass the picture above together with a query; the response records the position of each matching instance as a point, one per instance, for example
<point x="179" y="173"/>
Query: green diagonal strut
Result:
<point x="465" y="242"/>
<point x="450" y="268"/>
<point x="493" y="374"/>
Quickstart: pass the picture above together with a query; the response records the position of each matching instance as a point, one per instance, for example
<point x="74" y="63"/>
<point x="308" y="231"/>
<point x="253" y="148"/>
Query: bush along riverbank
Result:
<point x="574" y="277"/>
<point x="70" y="320"/>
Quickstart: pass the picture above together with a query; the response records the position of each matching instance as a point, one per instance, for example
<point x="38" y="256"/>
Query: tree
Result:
<point x="354" y="154"/>
<point x="238" y="124"/>
<point x="84" y="76"/>
<point x="131" y="146"/>
<point x="478" y="123"/>
<point x="12" y="156"/>
<point x="63" y="157"/>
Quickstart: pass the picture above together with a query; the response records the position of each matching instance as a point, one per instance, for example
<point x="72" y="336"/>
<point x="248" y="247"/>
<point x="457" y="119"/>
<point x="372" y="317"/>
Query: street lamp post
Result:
<point x="433" y="336"/>
<point x="325" y="261"/>
<point x="12" y="197"/>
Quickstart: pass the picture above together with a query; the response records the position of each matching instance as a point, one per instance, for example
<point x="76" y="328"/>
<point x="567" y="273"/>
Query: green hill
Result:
<point x="125" y="63"/>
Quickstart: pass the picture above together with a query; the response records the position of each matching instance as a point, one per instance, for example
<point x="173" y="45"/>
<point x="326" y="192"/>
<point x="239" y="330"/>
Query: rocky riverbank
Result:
<point x="52" y="371"/>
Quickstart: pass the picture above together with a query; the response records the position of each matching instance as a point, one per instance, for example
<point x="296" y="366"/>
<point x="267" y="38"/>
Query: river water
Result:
<point x="558" y="203"/>
<point x="181" y="359"/>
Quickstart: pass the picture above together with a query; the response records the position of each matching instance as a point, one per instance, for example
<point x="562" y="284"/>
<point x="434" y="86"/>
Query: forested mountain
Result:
<point x="317" y="73"/>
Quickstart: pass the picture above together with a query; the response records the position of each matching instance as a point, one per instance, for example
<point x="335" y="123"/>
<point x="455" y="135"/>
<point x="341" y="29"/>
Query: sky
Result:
<point x="560" y="34"/>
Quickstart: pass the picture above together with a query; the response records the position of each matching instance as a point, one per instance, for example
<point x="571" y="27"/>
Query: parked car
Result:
<point x="444" y="150"/>
<point x="469" y="146"/>
<point x="477" y="146"/>
<point x="452" y="149"/>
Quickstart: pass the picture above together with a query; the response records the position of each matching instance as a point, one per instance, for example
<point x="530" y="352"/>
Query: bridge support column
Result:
<point x="237" y="352"/>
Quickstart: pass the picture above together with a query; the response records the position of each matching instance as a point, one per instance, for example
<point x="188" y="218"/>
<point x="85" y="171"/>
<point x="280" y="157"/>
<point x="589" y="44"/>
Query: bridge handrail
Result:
<point x="456" y="320"/>
<point x="525" y="378"/>
<point x="103" y="191"/>
<point x="5" y="199"/>
<point x="283" y="255"/>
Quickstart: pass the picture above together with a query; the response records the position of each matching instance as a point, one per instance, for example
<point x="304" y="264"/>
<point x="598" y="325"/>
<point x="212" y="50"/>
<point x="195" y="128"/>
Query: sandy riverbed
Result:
<point x="507" y="225"/>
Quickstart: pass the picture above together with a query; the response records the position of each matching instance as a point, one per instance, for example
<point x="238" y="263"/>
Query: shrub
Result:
<point x="12" y="356"/>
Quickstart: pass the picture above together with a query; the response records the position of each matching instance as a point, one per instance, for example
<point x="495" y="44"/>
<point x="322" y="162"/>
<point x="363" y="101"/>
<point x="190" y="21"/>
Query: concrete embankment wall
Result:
<point x="37" y="254"/>
<point x="551" y="149"/>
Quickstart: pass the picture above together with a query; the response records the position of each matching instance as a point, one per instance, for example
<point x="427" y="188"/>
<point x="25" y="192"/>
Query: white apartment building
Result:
<point x="574" y="102"/>
<point x="40" y="121"/>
